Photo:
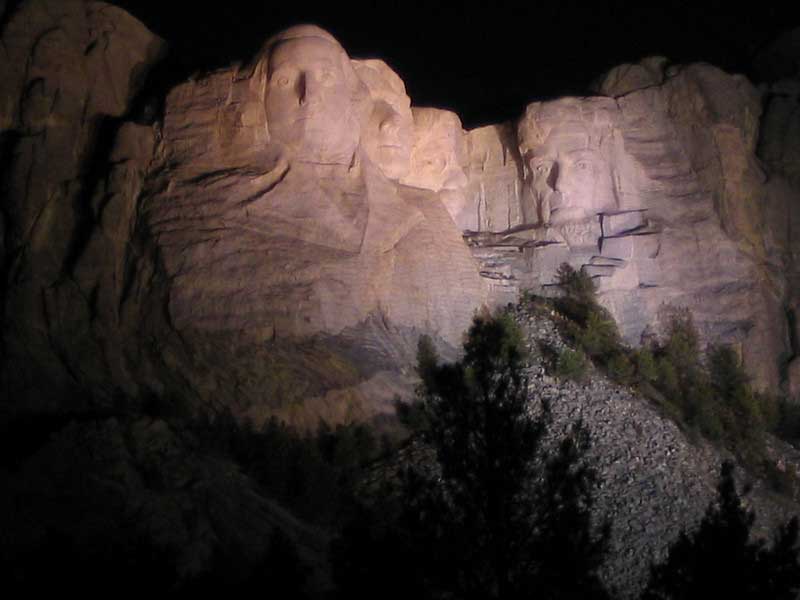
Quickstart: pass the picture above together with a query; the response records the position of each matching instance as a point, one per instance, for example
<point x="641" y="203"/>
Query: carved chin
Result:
<point x="326" y="148"/>
<point x="393" y="161"/>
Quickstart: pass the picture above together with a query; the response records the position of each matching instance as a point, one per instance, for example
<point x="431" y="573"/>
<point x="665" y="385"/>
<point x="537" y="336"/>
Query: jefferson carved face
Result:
<point x="568" y="166"/>
<point x="310" y="100"/>
<point x="388" y="132"/>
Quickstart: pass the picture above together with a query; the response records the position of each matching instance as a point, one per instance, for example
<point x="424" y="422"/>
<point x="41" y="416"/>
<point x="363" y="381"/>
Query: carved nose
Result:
<point x="389" y="125"/>
<point x="308" y="90"/>
<point x="552" y="178"/>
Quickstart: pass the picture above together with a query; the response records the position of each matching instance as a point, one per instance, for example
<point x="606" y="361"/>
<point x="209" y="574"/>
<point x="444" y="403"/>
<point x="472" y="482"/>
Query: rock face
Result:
<point x="658" y="194"/>
<point x="70" y="72"/>
<point x="779" y="148"/>
<point x="258" y="231"/>
<point x="277" y="239"/>
<point x="280" y="236"/>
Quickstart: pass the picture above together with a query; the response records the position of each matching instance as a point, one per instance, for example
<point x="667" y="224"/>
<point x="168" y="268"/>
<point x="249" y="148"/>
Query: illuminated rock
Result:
<point x="389" y="130"/>
<point x="437" y="159"/>
<point x="298" y="207"/>
<point x="659" y="196"/>
<point x="496" y="194"/>
<point x="566" y="148"/>
<point x="291" y="231"/>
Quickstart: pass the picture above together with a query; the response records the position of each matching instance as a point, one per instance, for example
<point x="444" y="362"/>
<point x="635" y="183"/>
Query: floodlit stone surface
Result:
<point x="567" y="150"/>
<point x="658" y="194"/>
<point x="496" y="197"/>
<point x="388" y="132"/>
<point x="277" y="238"/>
<point x="298" y="209"/>
<point x="313" y="96"/>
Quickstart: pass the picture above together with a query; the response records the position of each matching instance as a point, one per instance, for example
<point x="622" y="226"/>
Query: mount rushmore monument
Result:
<point x="276" y="235"/>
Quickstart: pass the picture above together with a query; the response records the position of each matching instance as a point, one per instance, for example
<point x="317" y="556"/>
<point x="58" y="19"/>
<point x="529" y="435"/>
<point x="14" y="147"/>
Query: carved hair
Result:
<point x="595" y="114"/>
<point x="259" y="67"/>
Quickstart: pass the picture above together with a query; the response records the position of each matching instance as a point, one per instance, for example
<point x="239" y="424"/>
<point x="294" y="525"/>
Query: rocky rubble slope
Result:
<point x="653" y="482"/>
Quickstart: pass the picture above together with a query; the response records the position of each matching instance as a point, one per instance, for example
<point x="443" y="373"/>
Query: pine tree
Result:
<point x="503" y="519"/>
<point x="719" y="560"/>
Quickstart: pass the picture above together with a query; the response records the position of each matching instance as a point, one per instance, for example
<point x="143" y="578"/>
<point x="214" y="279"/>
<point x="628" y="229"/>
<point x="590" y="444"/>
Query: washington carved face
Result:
<point x="309" y="103"/>
<point x="569" y="173"/>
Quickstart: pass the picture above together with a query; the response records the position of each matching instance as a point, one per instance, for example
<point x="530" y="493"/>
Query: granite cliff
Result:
<point x="274" y="236"/>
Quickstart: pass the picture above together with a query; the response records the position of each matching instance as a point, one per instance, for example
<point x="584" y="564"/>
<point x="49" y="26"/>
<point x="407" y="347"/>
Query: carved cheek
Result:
<point x="282" y="104"/>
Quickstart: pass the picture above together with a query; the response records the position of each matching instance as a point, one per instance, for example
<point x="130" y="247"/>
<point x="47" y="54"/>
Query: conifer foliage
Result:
<point x="719" y="560"/>
<point x="502" y="511"/>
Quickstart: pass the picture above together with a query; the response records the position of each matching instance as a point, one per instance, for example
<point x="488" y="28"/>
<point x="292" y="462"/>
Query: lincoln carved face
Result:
<point x="310" y="99"/>
<point x="568" y="165"/>
<point x="388" y="132"/>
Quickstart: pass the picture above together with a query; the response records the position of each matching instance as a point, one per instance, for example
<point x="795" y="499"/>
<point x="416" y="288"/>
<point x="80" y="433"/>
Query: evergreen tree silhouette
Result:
<point x="491" y="516"/>
<point x="719" y="560"/>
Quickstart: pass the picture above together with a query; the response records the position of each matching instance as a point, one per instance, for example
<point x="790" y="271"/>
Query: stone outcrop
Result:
<point x="656" y="191"/>
<point x="70" y="72"/>
<point x="279" y="237"/>
<point x="779" y="148"/>
<point x="257" y="231"/>
<point x="276" y="240"/>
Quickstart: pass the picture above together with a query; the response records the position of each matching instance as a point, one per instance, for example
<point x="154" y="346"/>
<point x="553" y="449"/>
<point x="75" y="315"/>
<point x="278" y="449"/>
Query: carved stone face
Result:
<point x="309" y="101"/>
<point x="568" y="165"/>
<point x="388" y="132"/>
<point x="439" y="153"/>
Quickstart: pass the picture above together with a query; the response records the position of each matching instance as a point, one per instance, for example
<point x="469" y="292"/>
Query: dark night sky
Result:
<point x="483" y="59"/>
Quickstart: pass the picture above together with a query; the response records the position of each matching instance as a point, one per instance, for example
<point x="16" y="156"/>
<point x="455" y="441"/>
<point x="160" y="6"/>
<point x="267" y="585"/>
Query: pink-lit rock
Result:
<point x="387" y="136"/>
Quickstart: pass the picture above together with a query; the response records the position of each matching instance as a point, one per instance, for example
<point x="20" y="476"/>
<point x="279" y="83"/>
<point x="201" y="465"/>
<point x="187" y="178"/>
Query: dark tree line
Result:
<point x="488" y="512"/>
<point x="483" y="503"/>
<point x="487" y="506"/>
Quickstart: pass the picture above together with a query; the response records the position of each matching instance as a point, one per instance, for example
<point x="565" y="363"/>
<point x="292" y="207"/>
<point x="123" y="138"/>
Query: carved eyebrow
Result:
<point x="583" y="153"/>
<point x="282" y="64"/>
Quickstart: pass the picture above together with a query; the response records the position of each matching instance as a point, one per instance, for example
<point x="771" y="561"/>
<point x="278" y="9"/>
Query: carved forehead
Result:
<point x="304" y="42"/>
<point x="383" y="83"/>
<point x="437" y="130"/>
<point x="305" y="51"/>
<point x="301" y="32"/>
<point x="436" y="123"/>
<point x="575" y="122"/>
<point x="378" y="75"/>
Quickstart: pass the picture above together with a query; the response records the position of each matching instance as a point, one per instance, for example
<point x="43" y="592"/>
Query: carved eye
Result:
<point x="327" y="77"/>
<point x="583" y="165"/>
<point x="283" y="80"/>
<point x="542" y="168"/>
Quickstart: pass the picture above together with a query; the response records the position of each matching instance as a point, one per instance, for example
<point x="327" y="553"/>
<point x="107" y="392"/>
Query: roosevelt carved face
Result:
<point x="389" y="129"/>
<point x="438" y="154"/>
<point x="568" y="164"/>
<point x="310" y="100"/>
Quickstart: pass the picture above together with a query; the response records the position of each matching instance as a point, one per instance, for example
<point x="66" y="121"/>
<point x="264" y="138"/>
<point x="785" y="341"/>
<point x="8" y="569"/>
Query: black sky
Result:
<point x="483" y="59"/>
